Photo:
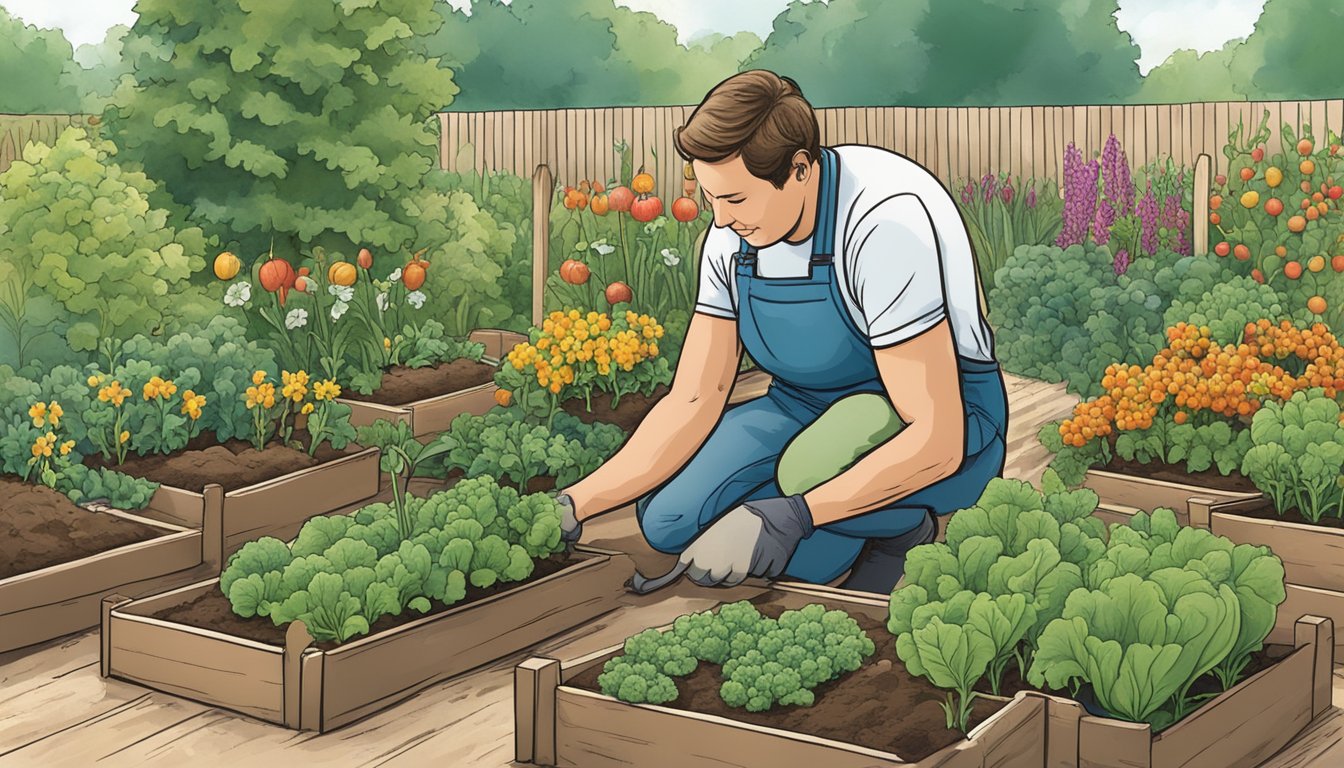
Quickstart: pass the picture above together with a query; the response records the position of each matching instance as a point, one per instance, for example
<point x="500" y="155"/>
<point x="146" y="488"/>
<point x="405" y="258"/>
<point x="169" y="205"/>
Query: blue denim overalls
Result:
<point x="799" y="331"/>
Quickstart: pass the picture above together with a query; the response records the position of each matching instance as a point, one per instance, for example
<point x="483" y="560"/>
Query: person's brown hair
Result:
<point x="758" y="114"/>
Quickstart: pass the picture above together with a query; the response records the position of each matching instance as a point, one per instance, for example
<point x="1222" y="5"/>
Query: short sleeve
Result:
<point x="895" y="271"/>
<point x="714" y="296"/>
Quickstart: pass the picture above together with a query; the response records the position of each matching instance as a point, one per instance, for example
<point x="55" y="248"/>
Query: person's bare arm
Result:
<point x="920" y="376"/>
<point x="674" y="428"/>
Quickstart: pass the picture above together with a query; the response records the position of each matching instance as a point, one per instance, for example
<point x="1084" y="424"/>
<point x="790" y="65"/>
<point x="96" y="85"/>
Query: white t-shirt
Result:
<point x="902" y="256"/>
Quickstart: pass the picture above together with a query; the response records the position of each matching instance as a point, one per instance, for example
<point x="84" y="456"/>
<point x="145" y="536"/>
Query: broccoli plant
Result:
<point x="765" y="662"/>
<point x="1297" y="454"/>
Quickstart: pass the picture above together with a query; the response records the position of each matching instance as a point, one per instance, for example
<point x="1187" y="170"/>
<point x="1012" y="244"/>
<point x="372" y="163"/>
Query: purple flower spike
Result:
<point x="1031" y="197"/>
<point x="1007" y="193"/>
<point x="967" y="194"/>
<point x="1121" y="261"/>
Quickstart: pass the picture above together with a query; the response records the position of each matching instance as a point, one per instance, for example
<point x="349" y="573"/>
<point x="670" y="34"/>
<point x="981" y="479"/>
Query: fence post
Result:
<point x="541" y="238"/>
<point x="1199" y="218"/>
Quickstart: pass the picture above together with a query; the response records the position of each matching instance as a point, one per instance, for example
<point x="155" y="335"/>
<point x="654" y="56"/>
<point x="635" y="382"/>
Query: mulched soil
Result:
<point x="40" y="528"/>
<point x="402" y="385"/>
<point x="879" y="706"/>
<point x="233" y="464"/>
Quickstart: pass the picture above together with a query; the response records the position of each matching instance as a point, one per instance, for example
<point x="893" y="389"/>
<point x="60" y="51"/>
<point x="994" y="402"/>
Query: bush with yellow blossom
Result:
<point x="574" y="353"/>
<point x="50" y="453"/>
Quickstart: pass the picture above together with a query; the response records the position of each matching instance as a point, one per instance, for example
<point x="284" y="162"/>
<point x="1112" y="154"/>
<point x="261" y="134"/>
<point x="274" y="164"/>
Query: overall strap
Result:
<point x="823" y="236"/>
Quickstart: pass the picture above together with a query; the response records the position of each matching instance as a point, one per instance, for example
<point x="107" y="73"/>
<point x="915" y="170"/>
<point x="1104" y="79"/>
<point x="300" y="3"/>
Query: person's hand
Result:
<point x="756" y="538"/>
<point x="570" y="527"/>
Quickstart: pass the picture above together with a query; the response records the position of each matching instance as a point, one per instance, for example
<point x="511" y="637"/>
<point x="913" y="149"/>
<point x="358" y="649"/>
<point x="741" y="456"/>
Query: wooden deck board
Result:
<point x="55" y="710"/>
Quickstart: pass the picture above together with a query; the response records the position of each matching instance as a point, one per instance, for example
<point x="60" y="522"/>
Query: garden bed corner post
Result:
<point x="1318" y="632"/>
<point x="541" y="238"/>
<point x="297" y="640"/>
<point x="110" y="603"/>
<point x="212" y="529"/>
<point x="1199" y="218"/>
<point x="534" y="684"/>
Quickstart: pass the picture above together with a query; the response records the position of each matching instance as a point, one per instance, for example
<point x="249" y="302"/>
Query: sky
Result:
<point x="1158" y="26"/>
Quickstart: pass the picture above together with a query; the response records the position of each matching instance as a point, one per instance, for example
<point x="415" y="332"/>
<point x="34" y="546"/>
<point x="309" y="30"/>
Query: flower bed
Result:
<point x="58" y="560"/>
<point x="477" y="569"/>
<point x="562" y="718"/>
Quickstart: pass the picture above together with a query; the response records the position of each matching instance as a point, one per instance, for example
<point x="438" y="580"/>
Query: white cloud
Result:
<point x="82" y="21"/>
<point x="697" y="18"/>
<point x="1160" y="27"/>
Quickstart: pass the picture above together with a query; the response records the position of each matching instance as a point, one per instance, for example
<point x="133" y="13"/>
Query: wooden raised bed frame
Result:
<point x="560" y="725"/>
<point x="1117" y="491"/>
<point x="307" y="688"/>
<point x="277" y="507"/>
<point x="1240" y="729"/>
<point x="50" y="602"/>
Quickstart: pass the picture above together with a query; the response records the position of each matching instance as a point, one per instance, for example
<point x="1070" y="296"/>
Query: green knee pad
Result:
<point x="850" y="428"/>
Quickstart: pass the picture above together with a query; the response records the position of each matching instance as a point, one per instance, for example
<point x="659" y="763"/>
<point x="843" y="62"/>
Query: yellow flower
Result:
<point x="114" y="393"/>
<point x="39" y="413"/>
<point x="54" y="413"/>
<point x="307" y="409"/>
<point x="387" y="343"/>
<point x="262" y="394"/>
<point x="95" y="380"/>
<point x="67" y="447"/>
<point x="258" y="377"/>
<point x="192" y="404"/>
<point x="125" y="436"/>
<point x="327" y="390"/>
<point x="41" y="448"/>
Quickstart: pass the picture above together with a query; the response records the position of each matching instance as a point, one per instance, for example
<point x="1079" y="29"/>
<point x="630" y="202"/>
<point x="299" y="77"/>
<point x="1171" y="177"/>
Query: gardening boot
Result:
<point x="881" y="563"/>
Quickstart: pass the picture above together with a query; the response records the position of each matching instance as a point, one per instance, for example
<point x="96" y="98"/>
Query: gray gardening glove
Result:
<point x="570" y="527"/>
<point x="756" y="538"/>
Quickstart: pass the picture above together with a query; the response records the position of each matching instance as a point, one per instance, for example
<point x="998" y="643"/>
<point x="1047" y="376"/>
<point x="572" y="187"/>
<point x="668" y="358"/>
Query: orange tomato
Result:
<point x="1297" y="224"/>
<point x="1304" y="147"/>
<point x="1215" y="219"/>
<point x="1313" y="213"/>
<point x="1280" y="251"/>
<point x="1316" y="305"/>
<point x="1222" y="249"/>
<point x="1337" y="263"/>
<point x="1307" y="167"/>
<point x="1274" y="206"/>
<point x="1292" y="270"/>
<point x="1247" y="174"/>
<point x="1241" y="252"/>
<point x="1215" y="201"/>
<point x="1316" y="263"/>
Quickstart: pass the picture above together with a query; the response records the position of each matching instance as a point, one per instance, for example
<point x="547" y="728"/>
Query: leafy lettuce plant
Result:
<point x="344" y="572"/>
<point x="954" y="643"/>
<point x="1151" y="542"/>
<point x="505" y="441"/>
<point x="1140" y="643"/>
<point x="1297" y="456"/>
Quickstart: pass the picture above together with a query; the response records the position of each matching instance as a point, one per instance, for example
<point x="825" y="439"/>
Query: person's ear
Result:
<point x="801" y="169"/>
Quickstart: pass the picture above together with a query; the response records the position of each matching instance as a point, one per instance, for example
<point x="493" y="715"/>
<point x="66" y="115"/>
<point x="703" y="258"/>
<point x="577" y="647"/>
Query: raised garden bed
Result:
<point x="289" y="680"/>
<point x="562" y="720"/>
<point x="430" y="398"/>
<point x="1241" y="728"/>
<point x="58" y="560"/>
<point x="266" y="493"/>
<point x="1131" y="486"/>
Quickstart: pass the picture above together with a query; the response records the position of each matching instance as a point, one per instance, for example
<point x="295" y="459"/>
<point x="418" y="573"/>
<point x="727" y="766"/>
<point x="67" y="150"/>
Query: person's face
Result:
<point x="757" y="211"/>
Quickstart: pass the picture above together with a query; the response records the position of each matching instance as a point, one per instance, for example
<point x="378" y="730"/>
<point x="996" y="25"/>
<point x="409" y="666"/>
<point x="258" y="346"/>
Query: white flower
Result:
<point x="655" y="225"/>
<point x="238" y="294"/>
<point x="670" y="257"/>
<point x="382" y="301"/>
<point x="297" y="318"/>
<point x="415" y="299"/>
<point x="601" y="248"/>
<point x="395" y="276"/>
<point x="343" y="293"/>
<point x="338" y="309"/>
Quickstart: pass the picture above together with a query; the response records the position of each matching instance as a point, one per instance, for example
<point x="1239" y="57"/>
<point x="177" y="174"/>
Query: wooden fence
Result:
<point x="955" y="143"/>
<point x="17" y="130"/>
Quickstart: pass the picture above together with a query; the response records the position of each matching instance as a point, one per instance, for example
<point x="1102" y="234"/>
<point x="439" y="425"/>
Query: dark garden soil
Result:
<point x="1177" y="473"/>
<point x="233" y="464"/>
<point x="1265" y="511"/>
<point x="879" y="706"/>
<point x="402" y="385"/>
<point x="631" y="410"/>
<point x="40" y="528"/>
<point x="213" y="611"/>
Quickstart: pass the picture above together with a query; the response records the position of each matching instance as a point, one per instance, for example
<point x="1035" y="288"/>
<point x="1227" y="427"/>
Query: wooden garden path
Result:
<point x="55" y="709"/>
